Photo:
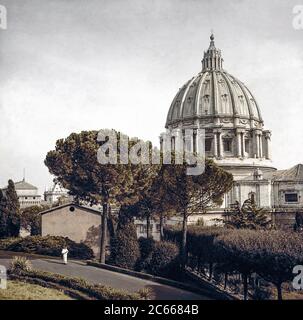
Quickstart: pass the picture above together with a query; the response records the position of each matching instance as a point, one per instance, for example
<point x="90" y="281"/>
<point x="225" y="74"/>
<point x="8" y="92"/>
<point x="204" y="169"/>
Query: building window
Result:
<point x="173" y="143"/>
<point x="246" y="145"/>
<point x="227" y="145"/>
<point x="195" y="142"/>
<point x="291" y="197"/>
<point x="208" y="143"/>
<point x="141" y="228"/>
<point x="252" y="197"/>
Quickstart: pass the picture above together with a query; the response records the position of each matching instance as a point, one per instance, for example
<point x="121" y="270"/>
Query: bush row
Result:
<point x="163" y="259"/>
<point x="144" y="254"/>
<point x="48" y="245"/>
<point x="271" y="254"/>
<point x="158" y="258"/>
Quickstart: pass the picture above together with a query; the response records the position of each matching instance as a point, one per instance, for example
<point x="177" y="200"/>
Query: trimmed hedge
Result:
<point x="200" y="245"/>
<point x="164" y="260"/>
<point x="49" y="245"/>
<point x="271" y="254"/>
<point x="147" y="246"/>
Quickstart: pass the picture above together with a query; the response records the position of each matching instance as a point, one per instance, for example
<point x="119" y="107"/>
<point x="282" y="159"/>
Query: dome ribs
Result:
<point x="214" y="93"/>
<point x="233" y="103"/>
<point x="185" y="96"/>
<point x="199" y="97"/>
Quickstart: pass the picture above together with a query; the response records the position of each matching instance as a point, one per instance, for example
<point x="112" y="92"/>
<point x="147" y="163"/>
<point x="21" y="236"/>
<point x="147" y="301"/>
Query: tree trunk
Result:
<point x="279" y="290"/>
<point x="148" y="226"/>
<point x="184" y="238"/>
<point x="225" y="280"/>
<point x="110" y="224"/>
<point x="210" y="270"/>
<point x="245" y="286"/>
<point x="161" y="227"/>
<point x="103" y="232"/>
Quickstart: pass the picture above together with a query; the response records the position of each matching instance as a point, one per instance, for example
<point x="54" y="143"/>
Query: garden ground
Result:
<point x="17" y="290"/>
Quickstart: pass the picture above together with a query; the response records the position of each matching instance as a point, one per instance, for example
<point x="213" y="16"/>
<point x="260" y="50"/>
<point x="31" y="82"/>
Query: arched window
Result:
<point x="252" y="197"/>
<point x="227" y="144"/>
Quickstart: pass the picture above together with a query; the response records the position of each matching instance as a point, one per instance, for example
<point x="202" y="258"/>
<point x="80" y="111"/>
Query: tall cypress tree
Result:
<point x="13" y="210"/>
<point x="3" y="216"/>
<point x="247" y="216"/>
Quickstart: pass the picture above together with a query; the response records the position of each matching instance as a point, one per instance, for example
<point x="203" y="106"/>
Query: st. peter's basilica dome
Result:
<point x="218" y="102"/>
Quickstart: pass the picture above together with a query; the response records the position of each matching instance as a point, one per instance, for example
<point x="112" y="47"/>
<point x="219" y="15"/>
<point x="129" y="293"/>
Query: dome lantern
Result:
<point x="212" y="59"/>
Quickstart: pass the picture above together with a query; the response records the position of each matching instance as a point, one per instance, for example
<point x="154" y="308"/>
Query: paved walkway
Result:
<point x="79" y="269"/>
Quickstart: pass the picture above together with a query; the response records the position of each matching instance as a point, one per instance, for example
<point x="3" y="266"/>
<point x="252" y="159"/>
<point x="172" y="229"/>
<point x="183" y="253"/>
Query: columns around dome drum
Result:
<point x="239" y="144"/>
<point x="215" y="145"/>
<point x="240" y="136"/>
<point x="218" y="150"/>
<point x="245" y="143"/>
<point x="267" y="136"/>
<point x="257" y="147"/>
<point x="261" y="144"/>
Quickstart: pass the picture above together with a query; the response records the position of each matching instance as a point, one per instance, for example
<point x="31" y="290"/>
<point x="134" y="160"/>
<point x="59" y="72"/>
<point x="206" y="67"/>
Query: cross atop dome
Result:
<point x="212" y="41"/>
<point x="212" y="59"/>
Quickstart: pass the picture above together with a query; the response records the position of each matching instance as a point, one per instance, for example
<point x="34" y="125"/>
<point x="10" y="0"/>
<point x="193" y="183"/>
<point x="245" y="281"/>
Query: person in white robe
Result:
<point x="64" y="254"/>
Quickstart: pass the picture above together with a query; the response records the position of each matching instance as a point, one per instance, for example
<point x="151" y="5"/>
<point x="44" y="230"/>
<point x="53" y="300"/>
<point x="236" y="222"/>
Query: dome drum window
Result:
<point x="227" y="144"/>
<point x="247" y="143"/>
<point x="208" y="144"/>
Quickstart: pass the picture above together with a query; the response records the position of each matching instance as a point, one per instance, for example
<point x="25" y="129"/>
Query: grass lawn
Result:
<point x="17" y="290"/>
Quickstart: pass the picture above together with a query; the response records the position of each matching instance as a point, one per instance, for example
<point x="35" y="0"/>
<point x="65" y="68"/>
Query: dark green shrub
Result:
<point x="20" y="264"/>
<point x="49" y="245"/>
<point x="200" y="245"/>
<point x="261" y="293"/>
<point x="124" y="247"/>
<point x="164" y="260"/>
<point x="146" y="246"/>
<point x="8" y="242"/>
<point x="173" y="234"/>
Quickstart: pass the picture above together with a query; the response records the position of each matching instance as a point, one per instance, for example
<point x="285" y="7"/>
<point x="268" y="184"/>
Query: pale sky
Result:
<point x="72" y="65"/>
